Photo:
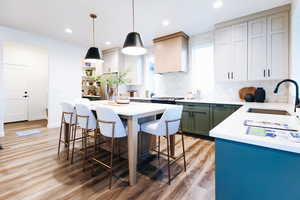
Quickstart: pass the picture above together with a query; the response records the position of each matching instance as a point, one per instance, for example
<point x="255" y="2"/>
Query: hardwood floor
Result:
<point x="30" y="169"/>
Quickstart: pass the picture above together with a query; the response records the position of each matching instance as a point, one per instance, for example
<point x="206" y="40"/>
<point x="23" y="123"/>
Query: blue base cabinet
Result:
<point x="249" y="172"/>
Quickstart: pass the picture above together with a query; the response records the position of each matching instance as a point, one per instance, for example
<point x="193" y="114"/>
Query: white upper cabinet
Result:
<point x="133" y="67"/>
<point x="112" y="60"/>
<point x="278" y="48"/>
<point x="257" y="54"/>
<point x="268" y="47"/>
<point x="239" y="50"/>
<point x="254" y="47"/>
<point x="223" y="53"/>
<point x="231" y="53"/>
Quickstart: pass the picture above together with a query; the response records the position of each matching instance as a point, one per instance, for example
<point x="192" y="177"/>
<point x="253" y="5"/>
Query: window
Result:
<point x="202" y="68"/>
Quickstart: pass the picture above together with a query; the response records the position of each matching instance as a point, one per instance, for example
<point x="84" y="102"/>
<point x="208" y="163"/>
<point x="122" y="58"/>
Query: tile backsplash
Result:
<point x="179" y="84"/>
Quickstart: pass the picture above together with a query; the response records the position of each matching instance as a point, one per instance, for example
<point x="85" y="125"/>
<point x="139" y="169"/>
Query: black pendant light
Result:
<point x="133" y="43"/>
<point x="93" y="55"/>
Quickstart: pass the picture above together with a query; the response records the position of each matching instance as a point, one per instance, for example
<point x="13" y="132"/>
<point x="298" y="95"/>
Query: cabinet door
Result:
<point x="133" y="68"/>
<point x="278" y="46"/>
<point x="257" y="49"/>
<point x="240" y="52"/>
<point x="111" y="61"/>
<point x="201" y="122"/>
<point x="223" y="54"/>
<point x="187" y="122"/>
<point x="221" y="112"/>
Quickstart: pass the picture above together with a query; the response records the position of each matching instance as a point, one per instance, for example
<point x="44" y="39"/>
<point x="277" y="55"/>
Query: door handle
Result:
<point x="228" y="75"/>
<point x="264" y="73"/>
<point x="25" y="96"/>
<point x="269" y="73"/>
<point x="231" y="75"/>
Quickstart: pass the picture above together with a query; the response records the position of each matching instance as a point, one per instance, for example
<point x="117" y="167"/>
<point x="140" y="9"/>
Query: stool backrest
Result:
<point x="82" y="101"/>
<point x="68" y="108"/>
<point x="106" y="118"/>
<point x="85" y="117"/>
<point x="172" y="113"/>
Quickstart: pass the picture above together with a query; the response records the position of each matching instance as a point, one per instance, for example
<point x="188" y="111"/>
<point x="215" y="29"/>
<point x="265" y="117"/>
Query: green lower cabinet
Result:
<point x="141" y="100"/>
<point x="201" y="122"/>
<point x="187" y="122"/>
<point x="220" y="112"/>
<point x="199" y="118"/>
<point x="195" y="118"/>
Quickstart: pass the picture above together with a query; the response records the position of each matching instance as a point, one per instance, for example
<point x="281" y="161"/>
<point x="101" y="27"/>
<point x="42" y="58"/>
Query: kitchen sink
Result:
<point x="268" y="111"/>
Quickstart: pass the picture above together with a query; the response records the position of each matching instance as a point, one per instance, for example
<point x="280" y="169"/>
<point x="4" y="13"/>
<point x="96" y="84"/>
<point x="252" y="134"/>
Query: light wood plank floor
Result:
<point x="29" y="169"/>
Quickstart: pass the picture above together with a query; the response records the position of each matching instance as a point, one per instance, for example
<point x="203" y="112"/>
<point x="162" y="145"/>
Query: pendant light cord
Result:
<point x="94" y="32"/>
<point x="133" y="15"/>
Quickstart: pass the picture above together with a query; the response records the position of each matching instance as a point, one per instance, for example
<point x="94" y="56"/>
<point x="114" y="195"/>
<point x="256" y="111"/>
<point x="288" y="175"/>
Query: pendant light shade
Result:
<point x="93" y="55"/>
<point x="133" y="44"/>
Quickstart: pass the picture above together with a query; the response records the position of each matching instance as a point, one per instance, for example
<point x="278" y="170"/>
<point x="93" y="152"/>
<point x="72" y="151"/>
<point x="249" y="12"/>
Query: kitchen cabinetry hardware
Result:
<point x="269" y="73"/>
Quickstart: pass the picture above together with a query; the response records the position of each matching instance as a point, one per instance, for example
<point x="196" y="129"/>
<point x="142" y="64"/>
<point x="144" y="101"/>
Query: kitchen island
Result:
<point x="250" y="167"/>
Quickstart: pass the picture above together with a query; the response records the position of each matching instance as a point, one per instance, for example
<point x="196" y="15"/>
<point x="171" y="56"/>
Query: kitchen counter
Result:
<point x="208" y="101"/>
<point x="255" y="167"/>
<point x="212" y="101"/>
<point x="233" y="127"/>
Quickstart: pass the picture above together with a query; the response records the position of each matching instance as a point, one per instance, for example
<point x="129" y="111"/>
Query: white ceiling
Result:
<point x="51" y="17"/>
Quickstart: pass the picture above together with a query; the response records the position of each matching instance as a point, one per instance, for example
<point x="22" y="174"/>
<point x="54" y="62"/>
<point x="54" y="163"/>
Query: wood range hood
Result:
<point x="171" y="53"/>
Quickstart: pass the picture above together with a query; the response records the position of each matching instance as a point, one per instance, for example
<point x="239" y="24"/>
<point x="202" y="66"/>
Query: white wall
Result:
<point x="64" y="69"/>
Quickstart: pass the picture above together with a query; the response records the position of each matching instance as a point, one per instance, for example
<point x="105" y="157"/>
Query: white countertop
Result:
<point x="233" y="127"/>
<point x="133" y="108"/>
<point x="212" y="101"/>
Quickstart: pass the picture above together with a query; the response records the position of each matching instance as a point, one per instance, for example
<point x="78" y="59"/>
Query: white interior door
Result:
<point x="16" y="93"/>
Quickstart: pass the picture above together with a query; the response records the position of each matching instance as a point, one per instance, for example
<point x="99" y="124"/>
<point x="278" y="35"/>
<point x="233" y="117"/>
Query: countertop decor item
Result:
<point x="93" y="55"/>
<point x="249" y="97"/>
<point x="260" y="95"/>
<point x="246" y="90"/>
<point x="133" y="43"/>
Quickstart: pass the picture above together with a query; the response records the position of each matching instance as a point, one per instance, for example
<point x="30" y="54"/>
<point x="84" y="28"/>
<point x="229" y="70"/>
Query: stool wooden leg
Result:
<point x="85" y="149"/>
<point x="158" y="152"/>
<point x="111" y="162"/>
<point x="60" y="133"/>
<point x="183" y="150"/>
<point x="69" y="140"/>
<point x="74" y="137"/>
<point x="168" y="150"/>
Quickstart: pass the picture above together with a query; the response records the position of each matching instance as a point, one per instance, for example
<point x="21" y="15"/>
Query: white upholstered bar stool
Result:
<point x="167" y="125"/>
<point x="85" y="120"/>
<point x="68" y="118"/>
<point x="82" y="101"/>
<point x="111" y="127"/>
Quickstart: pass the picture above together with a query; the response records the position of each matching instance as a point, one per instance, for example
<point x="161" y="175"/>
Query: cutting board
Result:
<point x="246" y="90"/>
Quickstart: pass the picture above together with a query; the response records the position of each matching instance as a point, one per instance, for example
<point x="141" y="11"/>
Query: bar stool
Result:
<point x="168" y="124"/>
<point x="111" y="127"/>
<point x="85" y="120"/>
<point x="67" y="119"/>
<point x="82" y="101"/>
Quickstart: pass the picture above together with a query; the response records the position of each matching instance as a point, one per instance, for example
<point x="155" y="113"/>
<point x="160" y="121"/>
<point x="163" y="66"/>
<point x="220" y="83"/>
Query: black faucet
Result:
<point x="297" y="101"/>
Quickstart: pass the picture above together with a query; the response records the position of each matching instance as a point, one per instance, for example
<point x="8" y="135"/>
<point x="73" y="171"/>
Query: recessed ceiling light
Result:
<point x="218" y="4"/>
<point x="165" y="22"/>
<point x="108" y="43"/>
<point x="68" y="30"/>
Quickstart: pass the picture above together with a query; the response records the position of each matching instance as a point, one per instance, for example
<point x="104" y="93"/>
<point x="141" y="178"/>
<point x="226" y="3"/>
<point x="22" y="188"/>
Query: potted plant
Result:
<point x="112" y="82"/>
